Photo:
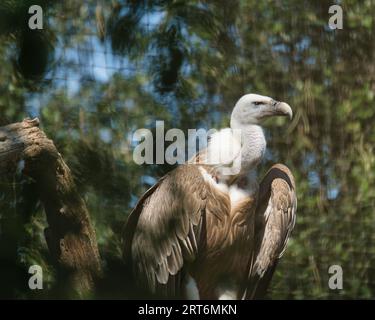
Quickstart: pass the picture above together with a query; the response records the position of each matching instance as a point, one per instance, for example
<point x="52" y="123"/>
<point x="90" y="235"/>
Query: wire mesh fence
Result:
<point x="168" y="66"/>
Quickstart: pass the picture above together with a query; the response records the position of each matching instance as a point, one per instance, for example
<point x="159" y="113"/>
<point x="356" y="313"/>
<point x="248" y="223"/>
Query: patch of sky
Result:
<point x="104" y="64"/>
<point x="278" y="47"/>
<point x="152" y="20"/>
<point x="91" y="61"/>
<point x="233" y="69"/>
<point x="33" y="105"/>
<point x="233" y="32"/>
<point x="310" y="60"/>
<point x="313" y="179"/>
<point x="197" y="42"/>
<point x="216" y="99"/>
<point x="304" y="44"/>
<point x="309" y="160"/>
<point x="105" y="135"/>
<point x="333" y="185"/>
<point x="332" y="193"/>
<point x="148" y="180"/>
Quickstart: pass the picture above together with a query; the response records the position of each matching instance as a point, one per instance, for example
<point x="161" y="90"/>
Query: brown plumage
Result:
<point x="185" y="226"/>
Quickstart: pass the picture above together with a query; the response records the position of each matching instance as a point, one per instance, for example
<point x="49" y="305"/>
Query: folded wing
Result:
<point x="274" y="221"/>
<point x="162" y="232"/>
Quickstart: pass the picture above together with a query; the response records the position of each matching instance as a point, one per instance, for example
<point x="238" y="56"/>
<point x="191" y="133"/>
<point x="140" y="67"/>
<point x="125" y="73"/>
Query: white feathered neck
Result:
<point x="237" y="150"/>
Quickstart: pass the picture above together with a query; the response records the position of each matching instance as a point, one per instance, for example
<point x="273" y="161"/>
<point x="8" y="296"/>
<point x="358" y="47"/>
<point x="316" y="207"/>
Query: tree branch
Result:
<point x="70" y="236"/>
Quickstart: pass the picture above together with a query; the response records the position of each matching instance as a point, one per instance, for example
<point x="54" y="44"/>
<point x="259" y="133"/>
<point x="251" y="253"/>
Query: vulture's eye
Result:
<point x="258" y="103"/>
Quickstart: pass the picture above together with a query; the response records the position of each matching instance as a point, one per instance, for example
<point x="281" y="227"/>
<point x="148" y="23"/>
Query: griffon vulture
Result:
<point x="206" y="232"/>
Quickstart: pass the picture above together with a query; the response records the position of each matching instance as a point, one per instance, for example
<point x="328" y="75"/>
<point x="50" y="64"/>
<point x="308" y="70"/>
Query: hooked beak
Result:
<point x="276" y="108"/>
<point x="283" y="109"/>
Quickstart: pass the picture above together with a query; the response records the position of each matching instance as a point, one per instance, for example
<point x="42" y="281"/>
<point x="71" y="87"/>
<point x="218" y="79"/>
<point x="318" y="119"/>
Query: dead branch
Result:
<point x="70" y="236"/>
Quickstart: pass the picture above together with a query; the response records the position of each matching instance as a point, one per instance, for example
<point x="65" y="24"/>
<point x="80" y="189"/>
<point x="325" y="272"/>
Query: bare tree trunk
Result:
<point x="70" y="236"/>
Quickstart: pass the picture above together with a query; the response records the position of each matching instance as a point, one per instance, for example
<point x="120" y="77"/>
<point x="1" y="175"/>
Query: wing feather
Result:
<point x="275" y="219"/>
<point x="161" y="236"/>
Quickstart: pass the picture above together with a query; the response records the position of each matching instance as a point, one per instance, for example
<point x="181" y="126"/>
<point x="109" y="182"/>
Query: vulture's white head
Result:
<point x="254" y="108"/>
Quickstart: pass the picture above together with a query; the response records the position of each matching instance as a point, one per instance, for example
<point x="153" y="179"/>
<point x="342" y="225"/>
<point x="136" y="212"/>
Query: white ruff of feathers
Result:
<point x="236" y="152"/>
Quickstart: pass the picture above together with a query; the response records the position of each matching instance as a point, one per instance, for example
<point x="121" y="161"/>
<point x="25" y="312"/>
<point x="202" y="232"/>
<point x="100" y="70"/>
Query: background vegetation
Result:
<point x="102" y="69"/>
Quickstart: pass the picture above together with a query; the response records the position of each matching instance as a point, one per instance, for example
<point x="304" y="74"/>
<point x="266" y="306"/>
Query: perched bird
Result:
<point x="207" y="229"/>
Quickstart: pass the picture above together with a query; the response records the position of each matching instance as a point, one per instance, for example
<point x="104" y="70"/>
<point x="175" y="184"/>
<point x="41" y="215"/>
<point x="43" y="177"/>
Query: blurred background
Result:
<point x="99" y="70"/>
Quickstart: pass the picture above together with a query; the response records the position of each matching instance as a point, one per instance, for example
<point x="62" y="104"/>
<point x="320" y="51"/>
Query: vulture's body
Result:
<point x="203" y="233"/>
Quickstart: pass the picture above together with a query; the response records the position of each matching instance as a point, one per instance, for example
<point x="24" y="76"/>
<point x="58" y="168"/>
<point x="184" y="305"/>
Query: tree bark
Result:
<point x="70" y="236"/>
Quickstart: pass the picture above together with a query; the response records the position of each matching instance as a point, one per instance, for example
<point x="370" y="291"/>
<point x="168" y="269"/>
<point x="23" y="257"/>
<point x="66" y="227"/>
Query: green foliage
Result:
<point x="187" y="62"/>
